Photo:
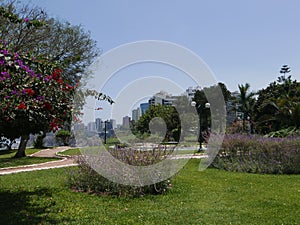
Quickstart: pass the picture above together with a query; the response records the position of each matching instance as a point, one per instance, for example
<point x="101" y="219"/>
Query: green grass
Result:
<point x="71" y="152"/>
<point x="6" y="159"/>
<point x="209" y="197"/>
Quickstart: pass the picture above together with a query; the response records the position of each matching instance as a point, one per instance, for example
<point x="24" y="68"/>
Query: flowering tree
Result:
<point x="34" y="97"/>
<point x="27" y="28"/>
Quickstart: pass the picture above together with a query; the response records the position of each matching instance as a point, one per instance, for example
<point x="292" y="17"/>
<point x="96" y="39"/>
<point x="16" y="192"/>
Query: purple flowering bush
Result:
<point x="258" y="154"/>
<point x="85" y="179"/>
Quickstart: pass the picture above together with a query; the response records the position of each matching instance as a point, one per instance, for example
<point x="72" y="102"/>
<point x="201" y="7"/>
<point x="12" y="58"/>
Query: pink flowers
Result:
<point x="26" y="20"/>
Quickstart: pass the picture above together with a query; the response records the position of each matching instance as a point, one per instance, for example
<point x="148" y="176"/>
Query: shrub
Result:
<point x="86" y="179"/>
<point x="39" y="142"/>
<point x="63" y="136"/>
<point x="257" y="154"/>
<point x="287" y="132"/>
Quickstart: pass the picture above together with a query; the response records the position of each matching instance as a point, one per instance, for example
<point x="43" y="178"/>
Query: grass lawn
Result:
<point x="6" y="159"/>
<point x="71" y="151"/>
<point x="209" y="197"/>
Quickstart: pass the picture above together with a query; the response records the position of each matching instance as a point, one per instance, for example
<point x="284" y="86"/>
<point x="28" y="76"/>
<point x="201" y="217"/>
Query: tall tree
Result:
<point x="35" y="94"/>
<point x="170" y="117"/>
<point x="285" y="69"/>
<point x="278" y="105"/>
<point x="29" y="29"/>
<point x="246" y="101"/>
<point x="32" y="100"/>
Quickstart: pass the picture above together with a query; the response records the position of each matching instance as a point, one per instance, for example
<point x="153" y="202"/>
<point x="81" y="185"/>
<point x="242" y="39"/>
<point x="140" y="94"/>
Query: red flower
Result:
<point x="68" y="86"/>
<point x="48" y="106"/>
<point x="22" y="106"/>
<point x="60" y="81"/>
<point x="29" y="91"/>
<point x="56" y="74"/>
<point x="53" y="126"/>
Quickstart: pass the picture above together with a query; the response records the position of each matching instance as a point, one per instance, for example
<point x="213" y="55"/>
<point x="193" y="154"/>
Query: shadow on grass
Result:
<point x="5" y="152"/>
<point x="29" y="207"/>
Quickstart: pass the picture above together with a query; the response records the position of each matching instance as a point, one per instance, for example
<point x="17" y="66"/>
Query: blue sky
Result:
<point x="241" y="41"/>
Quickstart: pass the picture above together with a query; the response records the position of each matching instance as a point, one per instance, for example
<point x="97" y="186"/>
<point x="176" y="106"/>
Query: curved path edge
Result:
<point x="51" y="153"/>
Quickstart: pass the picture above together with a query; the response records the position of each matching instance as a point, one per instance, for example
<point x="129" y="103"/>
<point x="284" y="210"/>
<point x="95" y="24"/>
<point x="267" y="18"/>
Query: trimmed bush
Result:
<point x="257" y="154"/>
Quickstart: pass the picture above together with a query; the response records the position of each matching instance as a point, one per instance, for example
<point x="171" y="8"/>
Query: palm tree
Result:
<point x="247" y="101"/>
<point x="281" y="112"/>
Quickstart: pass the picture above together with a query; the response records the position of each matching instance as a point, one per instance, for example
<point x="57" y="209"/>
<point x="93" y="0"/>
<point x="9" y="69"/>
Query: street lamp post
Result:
<point x="105" y="128"/>
<point x="199" y="110"/>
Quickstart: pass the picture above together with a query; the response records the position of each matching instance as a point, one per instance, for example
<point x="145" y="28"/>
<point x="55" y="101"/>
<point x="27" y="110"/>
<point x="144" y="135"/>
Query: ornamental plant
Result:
<point x="34" y="96"/>
<point x="63" y="136"/>
<point x="258" y="154"/>
<point x="85" y="179"/>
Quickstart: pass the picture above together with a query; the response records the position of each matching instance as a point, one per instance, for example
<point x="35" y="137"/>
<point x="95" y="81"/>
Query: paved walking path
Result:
<point x="64" y="162"/>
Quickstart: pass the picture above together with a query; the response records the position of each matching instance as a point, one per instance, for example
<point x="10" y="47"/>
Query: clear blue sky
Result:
<point x="241" y="41"/>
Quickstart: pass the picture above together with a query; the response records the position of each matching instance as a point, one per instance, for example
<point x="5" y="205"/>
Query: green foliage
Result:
<point x="170" y="117"/>
<point x="42" y="61"/>
<point x="39" y="142"/>
<point x="278" y="105"/>
<point x="290" y="131"/>
<point x="29" y="29"/>
<point x="63" y="136"/>
<point x="246" y="100"/>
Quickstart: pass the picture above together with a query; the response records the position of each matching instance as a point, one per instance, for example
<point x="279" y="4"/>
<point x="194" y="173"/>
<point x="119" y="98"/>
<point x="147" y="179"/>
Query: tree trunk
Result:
<point x="21" y="150"/>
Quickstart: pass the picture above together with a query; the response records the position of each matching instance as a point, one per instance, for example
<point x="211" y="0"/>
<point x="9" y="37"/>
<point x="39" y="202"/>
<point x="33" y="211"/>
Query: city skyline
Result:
<point x="140" y="108"/>
<point x="156" y="98"/>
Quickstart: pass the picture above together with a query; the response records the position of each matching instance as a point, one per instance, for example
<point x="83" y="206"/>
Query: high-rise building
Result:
<point x="136" y="113"/>
<point x="190" y="92"/>
<point x="113" y="123"/>
<point x="144" y="107"/>
<point x="79" y="126"/>
<point x="126" y="121"/>
<point x="162" y="98"/>
<point x="99" y="125"/>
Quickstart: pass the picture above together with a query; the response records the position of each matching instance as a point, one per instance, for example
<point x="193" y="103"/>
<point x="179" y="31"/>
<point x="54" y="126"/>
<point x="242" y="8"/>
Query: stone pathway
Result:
<point x="64" y="162"/>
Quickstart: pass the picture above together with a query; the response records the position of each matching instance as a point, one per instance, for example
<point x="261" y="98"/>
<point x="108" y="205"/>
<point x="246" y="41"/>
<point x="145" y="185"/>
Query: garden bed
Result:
<point x="257" y="154"/>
